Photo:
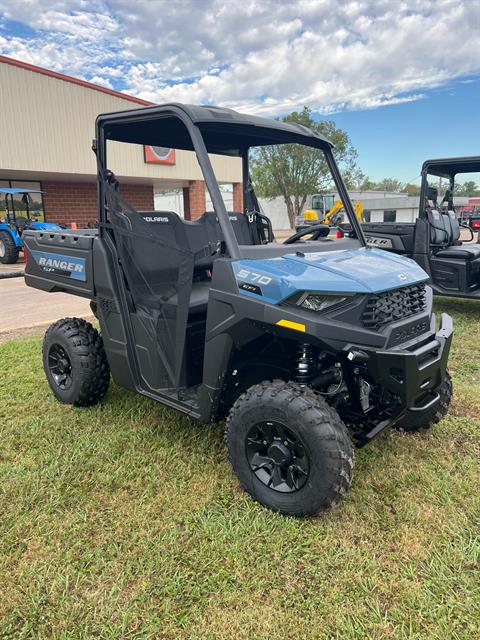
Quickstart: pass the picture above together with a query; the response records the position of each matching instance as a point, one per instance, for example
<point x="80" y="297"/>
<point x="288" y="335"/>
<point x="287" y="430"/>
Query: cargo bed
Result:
<point x="61" y="260"/>
<point x="392" y="236"/>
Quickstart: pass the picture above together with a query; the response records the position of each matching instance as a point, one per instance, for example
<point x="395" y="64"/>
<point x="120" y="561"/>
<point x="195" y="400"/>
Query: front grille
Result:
<point x="394" y="305"/>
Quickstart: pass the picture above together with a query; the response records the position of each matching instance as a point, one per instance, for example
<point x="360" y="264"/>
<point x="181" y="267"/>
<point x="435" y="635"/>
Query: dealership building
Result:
<point x="48" y="123"/>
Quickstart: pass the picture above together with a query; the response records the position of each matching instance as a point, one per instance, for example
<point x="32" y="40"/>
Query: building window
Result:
<point x="19" y="203"/>
<point x="390" y="215"/>
<point x="367" y="215"/>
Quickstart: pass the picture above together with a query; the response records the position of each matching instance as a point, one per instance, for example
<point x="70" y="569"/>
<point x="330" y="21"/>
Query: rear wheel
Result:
<point x="75" y="363"/>
<point x="418" y="420"/>
<point x="8" y="249"/>
<point x="289" y="448"/>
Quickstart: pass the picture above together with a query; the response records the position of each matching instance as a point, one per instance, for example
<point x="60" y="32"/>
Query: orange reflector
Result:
<point x="288" y="324"/>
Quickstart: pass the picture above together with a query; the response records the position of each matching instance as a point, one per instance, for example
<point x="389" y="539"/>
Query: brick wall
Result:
<point x="238" y="196"/>
<point x="67" y="202"/>
<point x="194" y="201"/>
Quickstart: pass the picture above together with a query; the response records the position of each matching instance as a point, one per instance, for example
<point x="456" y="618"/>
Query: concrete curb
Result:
<point x="33" y="330"/>
<point x="11" y="274"/>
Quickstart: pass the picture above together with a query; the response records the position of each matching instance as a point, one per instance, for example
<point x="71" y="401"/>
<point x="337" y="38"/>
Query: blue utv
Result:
<point x="13" y="226"/>
<point x="304" y="348"/>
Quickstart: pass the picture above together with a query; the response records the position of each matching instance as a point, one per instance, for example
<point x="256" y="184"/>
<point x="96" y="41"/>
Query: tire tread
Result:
<point x="323" y="421"/>
<point x="11" y="249"/>
<point x="87" y="354"/>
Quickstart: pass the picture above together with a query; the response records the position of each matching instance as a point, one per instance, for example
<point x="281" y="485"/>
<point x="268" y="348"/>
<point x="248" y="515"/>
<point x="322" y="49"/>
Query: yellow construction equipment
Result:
<point x="320" y="213"/>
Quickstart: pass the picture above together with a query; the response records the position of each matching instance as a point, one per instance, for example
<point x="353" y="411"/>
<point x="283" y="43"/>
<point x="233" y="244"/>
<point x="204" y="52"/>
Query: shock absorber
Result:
<point x="305" y="363"/>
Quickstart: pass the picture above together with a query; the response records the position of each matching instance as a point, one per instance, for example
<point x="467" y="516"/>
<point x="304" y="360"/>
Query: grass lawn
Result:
<point x="125" y="521"/>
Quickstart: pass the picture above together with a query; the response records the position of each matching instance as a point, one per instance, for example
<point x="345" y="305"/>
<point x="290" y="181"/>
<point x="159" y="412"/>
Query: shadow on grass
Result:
<point x="470" y="309"/>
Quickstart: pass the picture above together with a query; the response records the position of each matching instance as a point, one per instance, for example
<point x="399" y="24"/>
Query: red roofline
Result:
<point x="72" y="80"/>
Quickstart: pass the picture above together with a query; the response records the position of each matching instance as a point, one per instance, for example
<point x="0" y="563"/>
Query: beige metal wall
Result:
<point x="48" y="126"/>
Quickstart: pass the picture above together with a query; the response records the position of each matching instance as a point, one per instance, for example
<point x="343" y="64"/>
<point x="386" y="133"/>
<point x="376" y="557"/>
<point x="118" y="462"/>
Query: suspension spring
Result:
<point x="305" y="368"/>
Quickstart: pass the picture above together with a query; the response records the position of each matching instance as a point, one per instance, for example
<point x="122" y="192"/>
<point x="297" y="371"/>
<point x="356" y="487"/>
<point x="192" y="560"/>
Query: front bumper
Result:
<point x="413" y="375"/>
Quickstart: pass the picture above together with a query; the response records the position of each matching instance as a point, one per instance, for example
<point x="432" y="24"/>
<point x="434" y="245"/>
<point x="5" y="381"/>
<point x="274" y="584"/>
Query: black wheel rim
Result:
<point x="277" y="457"/>
<point x="60" y="367"/>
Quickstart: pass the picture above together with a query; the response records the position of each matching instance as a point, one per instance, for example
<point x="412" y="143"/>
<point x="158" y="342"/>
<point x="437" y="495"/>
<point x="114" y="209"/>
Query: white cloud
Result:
<point x="84" y="20"/>
<point x="266" y="57"/>
<point x="103" y="82"/>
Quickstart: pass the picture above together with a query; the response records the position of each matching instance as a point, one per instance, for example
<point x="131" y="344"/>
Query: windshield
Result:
<point x="464" y="196"/>
<point x="283" y="178"/>
<point x="458" y="194"/>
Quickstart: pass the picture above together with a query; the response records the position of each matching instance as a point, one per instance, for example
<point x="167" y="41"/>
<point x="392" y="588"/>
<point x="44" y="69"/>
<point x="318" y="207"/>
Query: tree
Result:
<point x="468" y="188"/>
<point x="294" y="171"/>
<point x="411" y="189"/>
<point x="367" y="185"/>
<point x="389" y="184"/>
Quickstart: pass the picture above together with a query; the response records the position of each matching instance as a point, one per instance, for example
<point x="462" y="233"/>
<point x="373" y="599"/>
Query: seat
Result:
<point x="456" y="249"/>
<point x="452" y="225"/>
<point x="21" y="223"/>
<point x="439" y="232"/>
<point x="445" y="232"/>
<point x="238" y="221"/>
<point x="196" y="235"/>
<point x="462" y="252"/>
<point x="241" y="228"/>
<point x="157" y="252"/>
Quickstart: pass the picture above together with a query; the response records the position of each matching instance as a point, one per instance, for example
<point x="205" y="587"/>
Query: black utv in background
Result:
<point x="305" y="348"/>
<point x="433" y="240"/>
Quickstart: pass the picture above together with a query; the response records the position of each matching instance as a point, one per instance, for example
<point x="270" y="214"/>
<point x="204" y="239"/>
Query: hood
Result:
<point x="365" y="270"/>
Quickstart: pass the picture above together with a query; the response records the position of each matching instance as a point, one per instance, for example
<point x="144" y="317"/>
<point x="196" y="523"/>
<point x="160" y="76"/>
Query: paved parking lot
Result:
<point x="22" y="307"/>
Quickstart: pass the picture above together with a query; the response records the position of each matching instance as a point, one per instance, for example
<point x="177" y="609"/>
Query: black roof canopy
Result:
<point x="449" y="167"/>
<point x="224" y="131"/>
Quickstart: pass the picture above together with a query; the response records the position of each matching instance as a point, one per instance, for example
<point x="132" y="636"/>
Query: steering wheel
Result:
<point x="316" y="231"/>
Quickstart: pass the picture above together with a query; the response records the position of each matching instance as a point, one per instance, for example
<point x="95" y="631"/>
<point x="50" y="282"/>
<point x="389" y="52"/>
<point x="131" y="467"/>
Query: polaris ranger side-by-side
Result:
<point x="303" y="347"/>
<point x="433" y="240"/>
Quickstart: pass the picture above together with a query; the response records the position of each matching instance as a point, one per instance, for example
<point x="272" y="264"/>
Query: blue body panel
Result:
<point x="68" y="266"/>
<point x="365" y="270"/>
<point x="36" y="226"/>
<point x="12" y="232"/>
<point x="44" y="226"/>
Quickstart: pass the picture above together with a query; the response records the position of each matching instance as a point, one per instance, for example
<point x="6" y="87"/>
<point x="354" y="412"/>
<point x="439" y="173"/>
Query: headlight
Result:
<point x="320" y="302"/>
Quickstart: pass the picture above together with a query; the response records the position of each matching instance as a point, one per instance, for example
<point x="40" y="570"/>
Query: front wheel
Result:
<point x="8" y="249"/>
<point x="289" y="448"/>
<point x="418" y="420"/>
<point x="75" y="362"/>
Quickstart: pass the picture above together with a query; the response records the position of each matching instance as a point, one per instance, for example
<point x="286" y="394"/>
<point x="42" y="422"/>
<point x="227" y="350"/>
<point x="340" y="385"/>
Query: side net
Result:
<point x="158" y="266"/>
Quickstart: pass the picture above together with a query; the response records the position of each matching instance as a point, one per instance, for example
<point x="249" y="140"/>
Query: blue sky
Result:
<point x="401" y="76"/>
<point x="394" y="141"/>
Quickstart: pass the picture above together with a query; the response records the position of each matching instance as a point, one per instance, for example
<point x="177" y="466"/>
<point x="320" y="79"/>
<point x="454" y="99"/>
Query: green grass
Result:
<point x="125" y="521"/>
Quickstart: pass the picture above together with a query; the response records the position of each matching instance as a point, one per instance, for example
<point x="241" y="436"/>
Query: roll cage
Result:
<point x="445" y="168"/>
<point x="207" y="130"/>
